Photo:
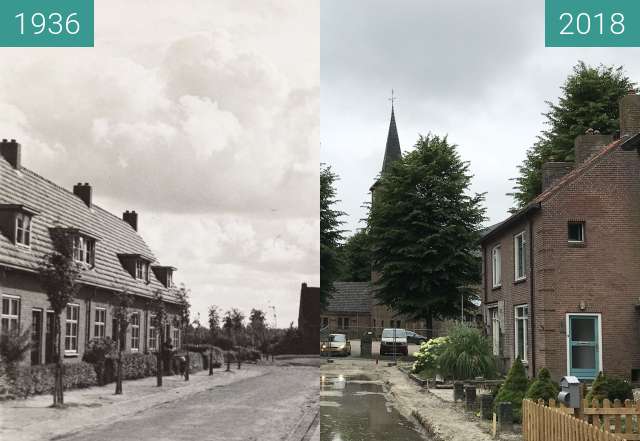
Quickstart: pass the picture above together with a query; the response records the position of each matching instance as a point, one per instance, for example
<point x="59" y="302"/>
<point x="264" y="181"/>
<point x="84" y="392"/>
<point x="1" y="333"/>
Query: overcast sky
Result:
<point x="475" y="71"/>
<point x="203" y="117"/>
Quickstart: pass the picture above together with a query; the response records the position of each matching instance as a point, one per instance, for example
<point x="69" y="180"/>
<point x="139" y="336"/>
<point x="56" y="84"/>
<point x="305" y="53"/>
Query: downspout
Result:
<point x="532" y="310"/>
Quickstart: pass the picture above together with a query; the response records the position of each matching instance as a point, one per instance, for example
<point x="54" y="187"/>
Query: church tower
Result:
<point x="392" y="151"/>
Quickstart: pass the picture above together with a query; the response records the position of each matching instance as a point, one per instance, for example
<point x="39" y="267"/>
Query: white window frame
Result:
<point x="10" y="317"/>
<point x="100" y="324"/>
<point x="176" y="338"/>
<point x="495" y="329"/>
<point x="142" y="270"/>
<point x="153" y="333"/>
<point x="135" y="332"/>
<point x="69" y="323"/>
<point x="496" y="267"/>
<point x="169" y="278"/>
<point x="525" y="330"/>
<point x="84" y="249"/>
<point x="582" y="226"/>
<point x="516" y="262"/>
<point x="23" y="232"/>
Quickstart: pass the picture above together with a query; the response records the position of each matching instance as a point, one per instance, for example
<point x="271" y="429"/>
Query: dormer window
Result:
<point x="23" y="229"/>
<point x="84" y="250"/>
<point x="142" y="270"/>
<point x="164" y="274"/>
<point x="137" y="265"/>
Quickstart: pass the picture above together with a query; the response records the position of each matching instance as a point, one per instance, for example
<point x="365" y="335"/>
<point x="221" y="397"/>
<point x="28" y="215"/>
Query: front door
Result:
<point x="583" y="345"/>
<point x="48" y="339"/>
<point x="36" y="336"/>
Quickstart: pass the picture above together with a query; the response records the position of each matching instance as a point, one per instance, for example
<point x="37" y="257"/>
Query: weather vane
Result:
<point x="393" y="98"/>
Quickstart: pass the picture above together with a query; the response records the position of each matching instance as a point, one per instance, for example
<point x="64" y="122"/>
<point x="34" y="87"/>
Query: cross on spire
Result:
<point x="393" y="98"/>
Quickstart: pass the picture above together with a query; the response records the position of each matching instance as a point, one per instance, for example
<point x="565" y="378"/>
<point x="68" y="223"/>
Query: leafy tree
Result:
<point x="160" y="319"/>
<point x="514" y="388"/>
<point x="237" y="320"/>
<point x="466" y="354"/>
<point x="59" y="274"/>
<point x="257" y="327"/>
<point x="13" y="347"/>
<point x="330" y="234"/>
<point x="609" y="387"/>
<point x="423" y="230"/>
<point x="183" y="321"/>
<point x="355" y="255"/>
<point x="214" y="320"/>
<point x="589" y="100"/>
<point x="543" y="387"/>
<point x="121" y="314"/>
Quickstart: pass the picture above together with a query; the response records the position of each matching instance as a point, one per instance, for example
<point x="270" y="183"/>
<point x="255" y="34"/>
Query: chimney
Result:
<point x="630" y="114"/>
<point x="83" y="191"/>
<point x="131" y="217"/>
<point x="552" y="171"/>
<point x="10" y="150"/>
<point x="589" y="143"/>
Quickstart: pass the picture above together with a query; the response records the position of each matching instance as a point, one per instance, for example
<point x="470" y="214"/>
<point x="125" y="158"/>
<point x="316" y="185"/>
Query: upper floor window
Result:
<point x="496" y="267"/>
<point x="23" y="229"/>
<point x="519" y="246"/>
<point x="10" y="313"/>
<point x="142" y="270"/>
<point x="575" y="233"/>
<point x="84" y="250"/>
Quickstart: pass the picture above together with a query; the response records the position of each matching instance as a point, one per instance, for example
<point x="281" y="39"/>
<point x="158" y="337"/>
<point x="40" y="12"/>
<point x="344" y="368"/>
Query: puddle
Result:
<point x="355" y="409"/>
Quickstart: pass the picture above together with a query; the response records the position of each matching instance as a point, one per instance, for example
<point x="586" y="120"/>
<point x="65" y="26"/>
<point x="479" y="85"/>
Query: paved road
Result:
<point x="269" y="407"/>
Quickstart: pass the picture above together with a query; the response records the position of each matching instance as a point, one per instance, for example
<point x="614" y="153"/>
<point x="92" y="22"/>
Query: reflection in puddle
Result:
<point x="355" y="409"/>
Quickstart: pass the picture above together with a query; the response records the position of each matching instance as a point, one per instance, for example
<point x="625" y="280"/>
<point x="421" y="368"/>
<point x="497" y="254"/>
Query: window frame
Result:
<point x="71" y="321"/>
<point x="84" y="250"/>
<point x="135" y="332"/>
<point x="516" y="261"/>
<point x="525" y="319"/>
<point x="97" y="324"/>
<point x="583" y="228"/>
<point x="176" y="337"/>
<point x="494" y="317"/>
<point x="142" y="270"/>
<point x="496" y="267"/>
<point x="22" y="232"/>
<point x="10" y="317"/>
<point x="152" y="341"/>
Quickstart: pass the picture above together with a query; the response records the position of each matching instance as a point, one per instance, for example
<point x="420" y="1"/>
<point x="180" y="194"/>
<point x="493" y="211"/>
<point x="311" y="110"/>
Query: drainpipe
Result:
<point x="532" y="313"/>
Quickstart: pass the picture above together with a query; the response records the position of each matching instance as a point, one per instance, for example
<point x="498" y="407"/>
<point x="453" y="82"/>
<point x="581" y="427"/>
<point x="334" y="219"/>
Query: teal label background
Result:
<point x="10" y="25"/>
<point x="553" y="25"/>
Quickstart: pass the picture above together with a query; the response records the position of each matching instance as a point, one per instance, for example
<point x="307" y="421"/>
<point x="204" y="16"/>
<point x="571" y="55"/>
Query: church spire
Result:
<point x="392" y="151"/>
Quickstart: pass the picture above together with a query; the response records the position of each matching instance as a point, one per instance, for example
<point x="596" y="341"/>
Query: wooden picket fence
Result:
<point x="594" y="422"/>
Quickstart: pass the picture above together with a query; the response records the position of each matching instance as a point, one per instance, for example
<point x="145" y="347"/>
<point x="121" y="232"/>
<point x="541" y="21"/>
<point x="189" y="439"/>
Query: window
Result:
<point x="346" y="322"/>
<point x="176" y="338"/>
<point x="169" y="279"/>
<point x="522" y="319"/>
<point x="496" y="267"/>
<point x="495" y="330"/>
<point x="142" y="270"/>
<point x="99" y="322"/>
<point x="84" y="250"/>
<point x="23" y="229"/>
<point x="575" y="232"/>
<point x="153" y="333"/>
<point x="135" y="331"/>
<point x="325" y="322"/>
<point x="71" y="331"/>
<point x="519" y="245"/>
<point x="10" y="313"/>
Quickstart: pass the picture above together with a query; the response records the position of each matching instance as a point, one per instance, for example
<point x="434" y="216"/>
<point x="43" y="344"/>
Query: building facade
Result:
<point x="112" y="256"/>
<point x="561" y="277"/>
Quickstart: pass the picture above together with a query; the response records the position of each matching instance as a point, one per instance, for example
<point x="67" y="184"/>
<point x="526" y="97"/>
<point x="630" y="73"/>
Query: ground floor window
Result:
<point x="10" y="313"/>
<point x="153" y="333"/>
<point x="176" y="338"/>
<point x="100" y="319"/>
<point x="325" y="322"/>
<point x="135" y="331"/>
<point x="71" y="330"/>
<point x="495" y="330"/>
<point x="521" y="324"/>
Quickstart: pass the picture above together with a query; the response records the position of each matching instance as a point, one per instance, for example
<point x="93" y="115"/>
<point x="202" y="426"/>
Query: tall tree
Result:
<point x="121" y="314"/>
<point x="184" y="308"/>
<point x="59" y="275"/>
<point x="355" y="255"/>
<point x="423" y="228"/>
<point x="257" y="327"/>
<point x="330" y="234"/>
<point x="214" y="320"/>
<point x="589" y="100"/>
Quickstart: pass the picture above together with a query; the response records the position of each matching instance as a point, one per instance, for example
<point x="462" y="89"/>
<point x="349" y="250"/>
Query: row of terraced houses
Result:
<point x="561" y="285"/>
<point x="111" y="252"/>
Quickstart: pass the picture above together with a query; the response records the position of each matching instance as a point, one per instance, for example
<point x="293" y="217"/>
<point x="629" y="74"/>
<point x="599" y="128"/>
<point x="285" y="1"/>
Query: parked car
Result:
<point x="337" y="344"/>
<point x="415" y="338"/>
<point x="394" y="340"/>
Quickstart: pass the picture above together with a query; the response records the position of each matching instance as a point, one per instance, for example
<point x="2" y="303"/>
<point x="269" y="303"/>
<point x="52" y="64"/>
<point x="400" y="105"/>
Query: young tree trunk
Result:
<point x="58" y="397"/>
<point x="186" y="368"/>
<point x="211" y="363"/>
<point x="429" y="322"/>
<point x="159" y="358"/>
<point x="119" y="367"/>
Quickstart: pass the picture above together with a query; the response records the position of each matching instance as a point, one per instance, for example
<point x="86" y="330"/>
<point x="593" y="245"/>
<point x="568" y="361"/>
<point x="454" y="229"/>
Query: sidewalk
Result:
<point x="33" y="419"/>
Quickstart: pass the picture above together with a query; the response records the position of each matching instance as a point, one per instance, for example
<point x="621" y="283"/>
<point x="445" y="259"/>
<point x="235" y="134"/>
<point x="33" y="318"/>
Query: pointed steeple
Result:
<point x="392" y="151"/>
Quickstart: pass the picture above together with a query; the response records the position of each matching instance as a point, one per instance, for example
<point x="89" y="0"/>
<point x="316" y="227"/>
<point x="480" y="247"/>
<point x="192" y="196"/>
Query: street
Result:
<point x="273" y="403"/>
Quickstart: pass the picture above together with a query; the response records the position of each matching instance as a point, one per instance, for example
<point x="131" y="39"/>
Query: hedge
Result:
<point x="33" y="380"/>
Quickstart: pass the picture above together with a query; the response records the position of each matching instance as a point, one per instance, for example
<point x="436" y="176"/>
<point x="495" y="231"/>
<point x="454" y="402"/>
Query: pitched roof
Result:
<point x="59" y="207"/>
<point x="392" y="150"/>
<point x="350" y="297"/>
<point x="557" y="185"/>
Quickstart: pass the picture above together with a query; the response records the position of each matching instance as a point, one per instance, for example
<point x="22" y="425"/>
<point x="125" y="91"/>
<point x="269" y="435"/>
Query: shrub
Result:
<point x="468" y="354"/>
<point x="428" y="354"/>
<point x="97" y="353"/>
<point x="514" y="388"/>
<point x="610" y="387"/>
<point x="13" y="347"/>
<point x="543" y="387"/>
<point x="32" y="380"/>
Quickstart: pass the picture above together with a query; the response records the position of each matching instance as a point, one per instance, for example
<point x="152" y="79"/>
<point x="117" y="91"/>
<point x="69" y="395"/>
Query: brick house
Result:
<point x="111" y="252"/>
<point x="309" y="318"/>
<point x="561" y="277"/>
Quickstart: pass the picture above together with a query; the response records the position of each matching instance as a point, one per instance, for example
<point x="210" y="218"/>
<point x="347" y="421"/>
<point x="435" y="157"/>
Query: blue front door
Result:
<point x="584" y="350"/>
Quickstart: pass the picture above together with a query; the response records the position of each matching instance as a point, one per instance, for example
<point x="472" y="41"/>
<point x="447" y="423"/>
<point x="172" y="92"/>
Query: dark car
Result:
<point x="394" y="341"/>
<point x="415" y="338"/>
